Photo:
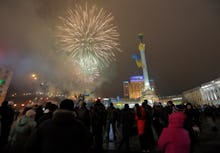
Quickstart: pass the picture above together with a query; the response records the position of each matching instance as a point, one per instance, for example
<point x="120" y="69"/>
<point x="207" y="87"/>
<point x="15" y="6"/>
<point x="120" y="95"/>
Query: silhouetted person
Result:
<point x="21" y="131"/>
<point x="127" y="121"/>
<point x="48" y="113"/>
<point x="6" y="118"/>
<point x="140" y="117"/>
<point x="210" y="116"/>
<point x="191" y="121"/>
<point x="148" y="132"/>
<point x="111" y="119"/>
<point x="39" y="112"/>
<point x="98" y="124"/>
<point x="83" y="114"/>
<point x="63" y="133"/>
<point x="157" y="122"/>
<point x="168" y="109"/>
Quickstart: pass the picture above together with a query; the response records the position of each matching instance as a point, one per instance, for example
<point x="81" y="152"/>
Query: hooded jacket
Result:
<point x="20" y="132"/>
<point x="174" y="138"/>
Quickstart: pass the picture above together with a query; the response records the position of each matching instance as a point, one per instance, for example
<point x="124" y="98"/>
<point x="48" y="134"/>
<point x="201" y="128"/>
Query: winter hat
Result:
<point x="67" y="104"/>
<point x="30" y="113"/>
<point x="178" y="108"/>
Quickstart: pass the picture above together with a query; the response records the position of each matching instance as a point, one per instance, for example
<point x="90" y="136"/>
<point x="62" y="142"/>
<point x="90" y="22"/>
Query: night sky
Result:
<point x="182" y="37"/>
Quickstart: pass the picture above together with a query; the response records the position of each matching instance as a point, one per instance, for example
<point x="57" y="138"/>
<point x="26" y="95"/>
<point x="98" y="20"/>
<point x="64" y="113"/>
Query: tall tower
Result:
<point x="147" y="92"/>
<point x="141" y="48"/>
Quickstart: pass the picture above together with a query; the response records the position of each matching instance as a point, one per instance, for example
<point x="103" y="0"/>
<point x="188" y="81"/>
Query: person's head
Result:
<point x="47" y="105"/>
<point x="52" y="107"/>
<point x="5" y="103"/>
<point x="145" y="101"/>
<point x="178" y="108"/>
<point x="126" y="106"/>
<point x="136" y="107"/>
<point x="98" y="100"/>
<point x="82" y="104"/>
<point x="189" y="106"/>
<point x="31" y="113"/>
<point x="11" y="103"/>
<point x="177" y="119"/>
<point x="169" y="103"/>
<point x="67" y="104"/>
<point x="111" y="104"/>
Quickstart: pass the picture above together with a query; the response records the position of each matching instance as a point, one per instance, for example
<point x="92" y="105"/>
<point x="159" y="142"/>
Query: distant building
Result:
<point x="177" y="99"/>
<point x="5" y="80"/>
<point x="126" y="89"/>
<point x="133" y="89"/>
<point x="207" y="93"/>
<point x="193" y="96"/>
<point x="211" y="91"/>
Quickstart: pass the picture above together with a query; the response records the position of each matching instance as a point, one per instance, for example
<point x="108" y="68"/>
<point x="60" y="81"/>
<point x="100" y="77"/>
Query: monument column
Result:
<point x="141" y="48"/>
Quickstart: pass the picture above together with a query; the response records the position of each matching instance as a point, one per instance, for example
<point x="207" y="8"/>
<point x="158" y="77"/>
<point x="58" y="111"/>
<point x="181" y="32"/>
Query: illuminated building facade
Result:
<point x="207" y="93"/>
<point x="211" y="91"/>
<point x="133" y="89"/>
<point x="193" y="96"/>
<point x="126" y="89"/>
<point x="136" y="86"/>
<point x="5" y="80"/>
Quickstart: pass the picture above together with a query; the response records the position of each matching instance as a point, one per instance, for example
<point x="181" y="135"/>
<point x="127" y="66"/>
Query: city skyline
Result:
<point x="182" y="38"/>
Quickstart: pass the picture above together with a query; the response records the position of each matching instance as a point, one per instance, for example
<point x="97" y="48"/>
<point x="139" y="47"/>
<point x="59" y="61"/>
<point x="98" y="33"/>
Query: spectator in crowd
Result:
<point x="168" y="109"/>
<point x="210" y="116"/>
<point x="48" y="112"/>
<point x="39" y="111"/>
<point x="83" y="114"/>
<point x="140" y="117"/>
<point x="112" y="116"/>
<point x="127" y="120"/>
<point x="148" y="125"/>
<point x="191" y="121"/>
<point x="98" y="124"/>
<point x="158" y="122"/>
<point x="174" y="138"/>
<point x="63" y="133"/>
<point x="21" y="131"/>
<point x="6" y="120"/>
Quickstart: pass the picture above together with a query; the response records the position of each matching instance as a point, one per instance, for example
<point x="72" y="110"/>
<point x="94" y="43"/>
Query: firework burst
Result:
<point x="88" y="34"/>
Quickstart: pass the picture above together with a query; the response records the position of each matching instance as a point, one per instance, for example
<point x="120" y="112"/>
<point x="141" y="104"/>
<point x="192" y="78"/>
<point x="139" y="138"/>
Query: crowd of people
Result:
<point x="68" y="128"/>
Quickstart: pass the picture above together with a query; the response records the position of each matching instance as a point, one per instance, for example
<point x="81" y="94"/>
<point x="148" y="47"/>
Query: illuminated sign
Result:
<point x="137" y="78"/>
<point x="1" y="82"/>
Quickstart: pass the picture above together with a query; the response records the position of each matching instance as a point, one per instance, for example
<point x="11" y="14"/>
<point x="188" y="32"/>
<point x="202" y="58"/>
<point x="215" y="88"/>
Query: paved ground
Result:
<point x="209" y="141"/>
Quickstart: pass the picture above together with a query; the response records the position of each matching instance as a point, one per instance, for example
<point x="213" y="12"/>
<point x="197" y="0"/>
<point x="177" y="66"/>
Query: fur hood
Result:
<point x="177" y="119"/>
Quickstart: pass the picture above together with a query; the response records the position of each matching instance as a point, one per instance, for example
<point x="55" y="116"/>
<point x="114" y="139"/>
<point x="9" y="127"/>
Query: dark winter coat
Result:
<point x="6" y="119"/>
<point x="63" y="133"/>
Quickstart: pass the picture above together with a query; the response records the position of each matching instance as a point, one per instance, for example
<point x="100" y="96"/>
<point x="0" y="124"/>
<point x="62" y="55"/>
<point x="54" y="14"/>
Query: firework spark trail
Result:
<point x="89" y="32"/>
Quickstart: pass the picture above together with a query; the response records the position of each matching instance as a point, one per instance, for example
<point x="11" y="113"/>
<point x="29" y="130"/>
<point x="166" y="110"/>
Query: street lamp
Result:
<point x="34" y="76"/>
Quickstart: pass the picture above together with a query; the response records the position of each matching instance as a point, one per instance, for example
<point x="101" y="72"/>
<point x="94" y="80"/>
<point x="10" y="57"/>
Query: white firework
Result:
<point x="89" y="32"/>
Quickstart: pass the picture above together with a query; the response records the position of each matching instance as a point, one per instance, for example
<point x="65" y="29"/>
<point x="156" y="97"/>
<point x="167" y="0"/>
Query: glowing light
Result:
<point x="34" y="76"/>
<point x="1" y="82"/>
<point x="88" y="35"/>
